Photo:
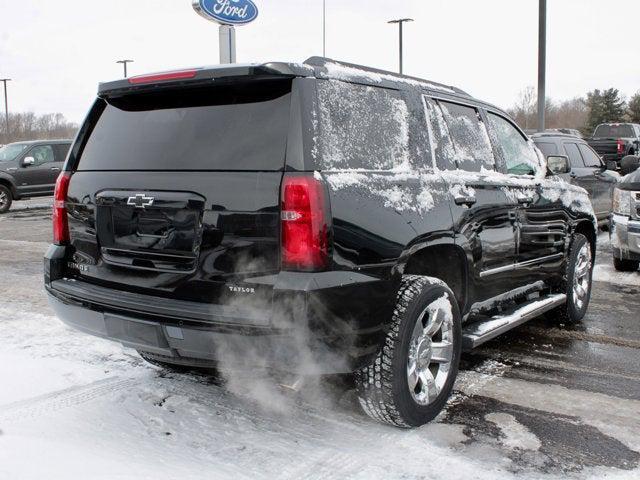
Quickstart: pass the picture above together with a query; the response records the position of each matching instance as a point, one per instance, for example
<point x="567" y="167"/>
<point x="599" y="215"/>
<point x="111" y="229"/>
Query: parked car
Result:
<point x="614" y="141"/>
<point x="314" y="218"/>
<point x="568" y="131"/>
<point x="587" y="169"/>
<point x="30" y="169"/>
<point x="625" y="221"/>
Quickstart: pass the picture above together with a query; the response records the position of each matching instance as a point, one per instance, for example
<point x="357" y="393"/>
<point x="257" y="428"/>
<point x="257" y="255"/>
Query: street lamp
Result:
<point x="6" y="105"/>
<point x="400" y="21"/>
<point x="542" y="60"/>
<point x="124" y="64"/>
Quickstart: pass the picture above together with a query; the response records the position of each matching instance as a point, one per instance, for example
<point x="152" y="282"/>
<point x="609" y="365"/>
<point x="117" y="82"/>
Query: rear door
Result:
<point x="484" y="215"/>
<point x="176" y="192"/>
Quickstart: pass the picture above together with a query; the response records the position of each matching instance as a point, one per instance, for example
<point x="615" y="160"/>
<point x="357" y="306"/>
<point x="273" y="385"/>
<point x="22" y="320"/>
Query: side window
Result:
<point x="547" y="148"/>
<point x="60" y="150"/>
<point x="574" y="155"/>
<point x="591" y="158"/>
<point x="362" y="127"/>
<point x="442" y="148"/>
<point x="519" y="155"/>
<point x="42" y="154"/>
<point x="469" y="135"/>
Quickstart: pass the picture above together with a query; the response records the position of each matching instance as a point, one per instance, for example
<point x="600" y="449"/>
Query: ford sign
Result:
<point x="227" y="12"/>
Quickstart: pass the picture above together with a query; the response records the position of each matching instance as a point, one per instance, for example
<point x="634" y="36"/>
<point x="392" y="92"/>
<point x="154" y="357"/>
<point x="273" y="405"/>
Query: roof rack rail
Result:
<point x="322" y="62"/>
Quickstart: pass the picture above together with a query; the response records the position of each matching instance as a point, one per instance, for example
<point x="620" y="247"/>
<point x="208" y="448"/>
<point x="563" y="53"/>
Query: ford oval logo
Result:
<point x="227" y="12"/>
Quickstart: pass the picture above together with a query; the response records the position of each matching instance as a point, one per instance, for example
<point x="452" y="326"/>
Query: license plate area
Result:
<point x="165" y="236"/>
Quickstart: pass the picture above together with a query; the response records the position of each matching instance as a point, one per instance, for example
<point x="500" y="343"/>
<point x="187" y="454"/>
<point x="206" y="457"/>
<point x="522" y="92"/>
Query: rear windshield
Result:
<point x="234" y="127"/>
<point x="614" y="131"/>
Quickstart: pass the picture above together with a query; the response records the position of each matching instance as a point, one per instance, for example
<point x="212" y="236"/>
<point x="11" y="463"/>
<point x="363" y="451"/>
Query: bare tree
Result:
<point x="29" y="126"/>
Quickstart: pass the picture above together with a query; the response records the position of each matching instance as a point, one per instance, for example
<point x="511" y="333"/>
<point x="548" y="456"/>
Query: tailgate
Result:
<point x="176" y="193"/>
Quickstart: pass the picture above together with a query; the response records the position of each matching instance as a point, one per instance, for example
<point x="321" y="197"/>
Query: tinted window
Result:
<point x="11" y="152"/>
<point x="591" y="158"/>
<point x="42" y="154"/>
<point x="443" y="150"/>
<point x="613" y="131"/>
<point x="518" y="153"/>
<point x="237" y="127"/>
<point x="60" y="151"/>
<point x="574" y="155"/>
<point x="470" y="139"/>
<point x="547" y="148"/>
<point x="362" y="127"/>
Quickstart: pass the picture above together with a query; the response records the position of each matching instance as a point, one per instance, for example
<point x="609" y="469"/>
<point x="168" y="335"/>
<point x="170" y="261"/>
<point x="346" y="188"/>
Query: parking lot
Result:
<point x="543" y="401"/>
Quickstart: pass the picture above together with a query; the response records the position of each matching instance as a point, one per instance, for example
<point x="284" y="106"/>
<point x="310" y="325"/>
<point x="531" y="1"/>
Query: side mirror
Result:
<point x="558" y="164"/>
<point x="629" y="164"/>
<point x="28" y="161"/>
<point x="612" y="165"/>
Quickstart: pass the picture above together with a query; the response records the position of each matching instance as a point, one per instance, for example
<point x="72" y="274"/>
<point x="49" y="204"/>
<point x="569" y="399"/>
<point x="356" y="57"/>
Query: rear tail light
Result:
<point x="305" y="223"/>
<point x="620" y="144"/>
<point x="60" y="223"/>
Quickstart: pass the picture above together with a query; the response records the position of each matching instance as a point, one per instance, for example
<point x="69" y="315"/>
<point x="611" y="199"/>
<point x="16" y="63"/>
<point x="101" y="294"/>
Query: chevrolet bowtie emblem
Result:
<point x="140" y="200"/>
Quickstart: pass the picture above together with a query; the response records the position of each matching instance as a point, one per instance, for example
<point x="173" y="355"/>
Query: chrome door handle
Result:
<point x="525" y="200"/>
<point x="465" y="200"/>
<point x="55" y="169"/>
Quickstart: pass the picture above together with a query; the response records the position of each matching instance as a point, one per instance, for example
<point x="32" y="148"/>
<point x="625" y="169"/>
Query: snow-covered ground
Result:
<point x="76" y="407"/>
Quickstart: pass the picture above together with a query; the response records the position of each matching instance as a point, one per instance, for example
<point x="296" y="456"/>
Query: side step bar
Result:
<point x="476" y="333"/>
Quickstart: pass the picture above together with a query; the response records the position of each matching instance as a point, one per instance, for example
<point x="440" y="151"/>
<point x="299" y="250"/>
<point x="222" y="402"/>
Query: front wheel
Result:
<point x="5" y="199"/>
<point x="411" y="378"/>
<point x="577" y="281"/>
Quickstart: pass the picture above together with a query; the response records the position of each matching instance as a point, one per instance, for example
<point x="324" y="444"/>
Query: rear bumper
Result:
<point x="323" y="326"/>
<point x="625" y="237"/>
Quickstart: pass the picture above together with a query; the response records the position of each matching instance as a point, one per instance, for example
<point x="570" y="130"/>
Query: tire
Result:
<point x="6" y="199"/>
<point x="625" y="265"/>
<point x="577" y="281"/>
<point x="383" y="387"/>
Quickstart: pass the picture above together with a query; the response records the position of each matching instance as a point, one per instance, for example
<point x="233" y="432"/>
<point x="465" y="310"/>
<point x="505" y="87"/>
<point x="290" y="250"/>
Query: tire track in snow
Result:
<point x="61" y="399"/>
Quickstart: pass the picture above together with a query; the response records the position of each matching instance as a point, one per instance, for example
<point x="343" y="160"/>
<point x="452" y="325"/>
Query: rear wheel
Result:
<point x="410" y="380"/>
<point x="5" y="199"/>
<point x="577" y="281"/>
<point x="625" y="265"/>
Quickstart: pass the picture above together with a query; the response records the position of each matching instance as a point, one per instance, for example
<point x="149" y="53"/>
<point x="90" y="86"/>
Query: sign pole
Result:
<point x="227" y="36"/>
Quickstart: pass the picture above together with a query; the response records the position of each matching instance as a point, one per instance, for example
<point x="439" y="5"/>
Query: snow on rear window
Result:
<point x="362" y="127"/>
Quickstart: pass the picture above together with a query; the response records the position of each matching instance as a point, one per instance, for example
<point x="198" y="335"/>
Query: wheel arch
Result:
<point x="7" y="182"/>
<point x="586" y="228"/>
<point x="443" y="260"/>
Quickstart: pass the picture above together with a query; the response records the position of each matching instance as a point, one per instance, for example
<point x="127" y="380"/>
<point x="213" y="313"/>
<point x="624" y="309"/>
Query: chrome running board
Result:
<point x="476" y="333"/>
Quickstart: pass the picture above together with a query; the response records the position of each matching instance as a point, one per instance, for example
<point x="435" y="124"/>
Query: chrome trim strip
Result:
<point x="516" y="266"/>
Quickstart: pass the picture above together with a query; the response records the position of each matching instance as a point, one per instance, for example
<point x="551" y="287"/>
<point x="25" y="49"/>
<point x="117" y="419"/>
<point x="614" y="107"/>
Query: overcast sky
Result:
<point x="56" y="52"/>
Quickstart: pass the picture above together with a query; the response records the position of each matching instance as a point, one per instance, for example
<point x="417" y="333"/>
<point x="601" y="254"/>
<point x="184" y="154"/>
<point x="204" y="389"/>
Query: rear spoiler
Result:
<point x="202" y="76"/>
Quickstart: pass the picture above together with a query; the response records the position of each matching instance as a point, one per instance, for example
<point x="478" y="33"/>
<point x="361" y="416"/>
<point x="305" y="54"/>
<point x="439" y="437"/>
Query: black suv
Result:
<point x="30" y="169"/>
<point x="588" y="170"/>
<point x="313" y="218"/>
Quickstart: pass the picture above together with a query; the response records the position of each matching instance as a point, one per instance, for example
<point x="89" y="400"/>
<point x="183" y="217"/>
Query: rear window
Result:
<point x="235" y="127"/>
<point x="362" y="127"/>
<point x="614" y="131"/>
<point x="547" y="148"/>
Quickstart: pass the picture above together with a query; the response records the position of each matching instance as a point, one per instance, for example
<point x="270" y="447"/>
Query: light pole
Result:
<point x="400" y="21"/>
<point x="542" y="61"/>
<point x="6" y="105"/>
<point x="124" y="64"/>
<point x="324" y="28"/>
